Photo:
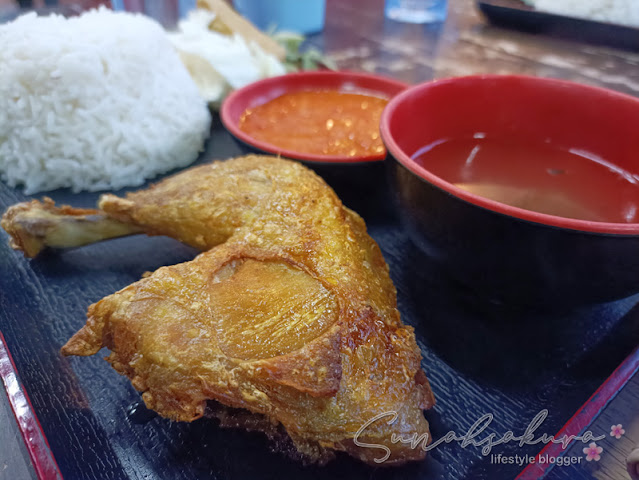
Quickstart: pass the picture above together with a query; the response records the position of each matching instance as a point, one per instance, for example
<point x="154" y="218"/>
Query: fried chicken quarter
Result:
<point x="289" y="312"/>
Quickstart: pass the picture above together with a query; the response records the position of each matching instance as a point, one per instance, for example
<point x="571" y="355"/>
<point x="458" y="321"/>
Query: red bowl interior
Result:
<point x="569" y="115"/>
<point x="262" y="91"/>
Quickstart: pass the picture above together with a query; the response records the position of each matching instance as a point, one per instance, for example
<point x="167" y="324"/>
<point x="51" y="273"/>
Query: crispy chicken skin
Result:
<point x="289" y="312"/>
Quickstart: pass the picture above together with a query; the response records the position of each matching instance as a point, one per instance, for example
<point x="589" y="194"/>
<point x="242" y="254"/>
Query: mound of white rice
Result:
<point x="622" y="12"/>
<point x="99" y="101"/>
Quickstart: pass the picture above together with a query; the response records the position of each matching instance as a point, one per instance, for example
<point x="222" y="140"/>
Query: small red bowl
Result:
<point x="508" y="253"/>
<point x="263" y="91"/>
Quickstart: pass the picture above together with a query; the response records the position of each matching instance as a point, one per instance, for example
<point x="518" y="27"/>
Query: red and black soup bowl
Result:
<point x="513" y="251"/>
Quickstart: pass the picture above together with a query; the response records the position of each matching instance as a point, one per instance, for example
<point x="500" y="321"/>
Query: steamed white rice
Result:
<point x="622" y="12"/>
<point x="99" y="101"/>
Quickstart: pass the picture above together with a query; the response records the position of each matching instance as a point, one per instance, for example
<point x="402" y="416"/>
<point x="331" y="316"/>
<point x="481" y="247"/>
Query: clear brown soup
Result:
<point x="536" y="176"/>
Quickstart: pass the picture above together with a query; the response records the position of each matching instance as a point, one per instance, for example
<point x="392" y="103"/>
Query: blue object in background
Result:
<point x="416" y="11"/>
<point x="303" y="16"/>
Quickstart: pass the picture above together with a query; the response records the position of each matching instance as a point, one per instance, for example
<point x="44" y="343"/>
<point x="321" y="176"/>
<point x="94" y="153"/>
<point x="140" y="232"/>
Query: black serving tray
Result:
<point x="481" y="358"/>
<point x="516" y="14"/>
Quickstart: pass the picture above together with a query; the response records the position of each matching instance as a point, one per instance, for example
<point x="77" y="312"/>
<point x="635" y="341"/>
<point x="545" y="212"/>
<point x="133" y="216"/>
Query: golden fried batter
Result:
<point x="289" y="311"/>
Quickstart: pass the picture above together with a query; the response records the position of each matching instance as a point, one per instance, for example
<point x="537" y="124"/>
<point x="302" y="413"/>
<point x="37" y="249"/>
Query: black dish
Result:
<point x="516" y="14"/>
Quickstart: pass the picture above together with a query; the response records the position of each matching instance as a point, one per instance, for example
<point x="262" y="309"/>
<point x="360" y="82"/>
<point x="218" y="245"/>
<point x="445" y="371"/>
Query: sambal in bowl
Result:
<point x="317" y="117"/>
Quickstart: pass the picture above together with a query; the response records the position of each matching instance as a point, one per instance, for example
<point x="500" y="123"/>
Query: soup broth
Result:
<point x="537" y="177"/>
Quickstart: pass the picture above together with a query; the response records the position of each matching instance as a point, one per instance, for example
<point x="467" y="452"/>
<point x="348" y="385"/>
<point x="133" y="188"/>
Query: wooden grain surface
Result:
<point x="622" y="410"/>
<point x="480" y="358"/>
<point x="359" y="37"/>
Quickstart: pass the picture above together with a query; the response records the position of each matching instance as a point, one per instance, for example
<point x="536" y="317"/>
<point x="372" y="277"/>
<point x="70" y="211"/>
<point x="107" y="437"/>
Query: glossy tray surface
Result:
<point x="481" y="359"/>
<point x="517" y="14"/>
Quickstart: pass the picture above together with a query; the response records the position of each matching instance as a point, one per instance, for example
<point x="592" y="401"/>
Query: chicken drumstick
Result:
<point x="289" y="312"/>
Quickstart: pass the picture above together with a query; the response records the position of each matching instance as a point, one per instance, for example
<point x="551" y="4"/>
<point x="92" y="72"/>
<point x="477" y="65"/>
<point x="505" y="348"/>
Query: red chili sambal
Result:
<point x="328" y="123"/>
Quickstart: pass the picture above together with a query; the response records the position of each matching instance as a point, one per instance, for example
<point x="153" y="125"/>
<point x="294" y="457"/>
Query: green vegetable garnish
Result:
<point x="297" y="59"/>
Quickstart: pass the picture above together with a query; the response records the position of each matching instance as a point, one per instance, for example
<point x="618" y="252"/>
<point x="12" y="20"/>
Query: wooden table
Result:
<point x="358" y="37"/>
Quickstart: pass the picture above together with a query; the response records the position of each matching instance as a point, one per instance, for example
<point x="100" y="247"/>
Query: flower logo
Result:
<point x="593" y="452"/>
<point x="617" y="431"/>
